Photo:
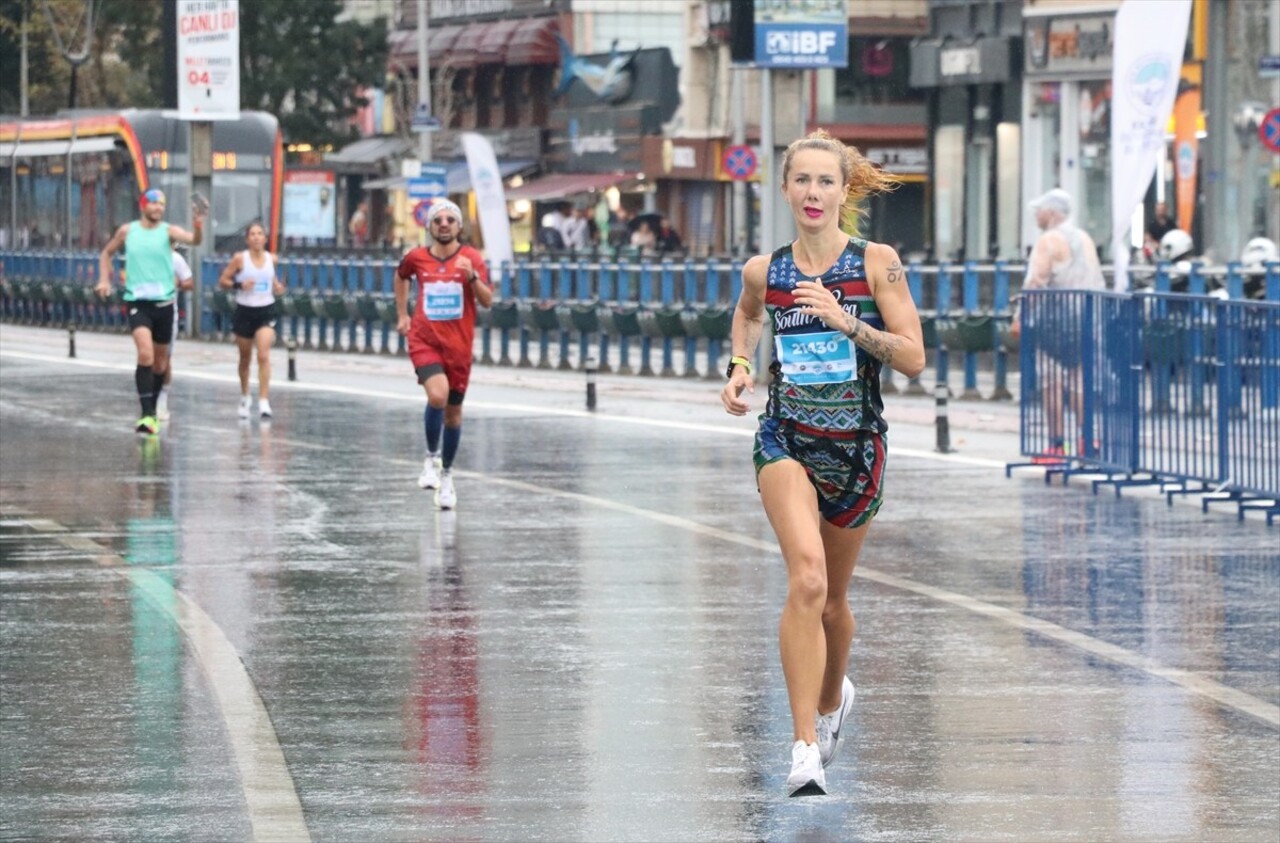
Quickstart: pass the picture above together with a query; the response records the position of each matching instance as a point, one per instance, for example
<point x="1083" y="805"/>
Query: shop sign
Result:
<point x="1063" y="44"/>
<point x="960" y="61"/>
<point x="901" y="160"/>
<point x="815" y="34"/>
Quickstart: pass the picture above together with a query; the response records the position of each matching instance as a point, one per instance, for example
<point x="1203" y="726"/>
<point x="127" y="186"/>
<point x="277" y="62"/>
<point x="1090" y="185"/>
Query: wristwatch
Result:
<point x="737" y="361"/>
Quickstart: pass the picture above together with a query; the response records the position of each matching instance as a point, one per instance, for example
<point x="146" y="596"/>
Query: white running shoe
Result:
<point x="162" y="405"/>
<point x="829" y="725"/>
<point x="807" y="777"/>
<point x="446" y="497"/>
<point x="246" y="404"/>
<point x="264" y="408"/>
<point x="430" y="476"/>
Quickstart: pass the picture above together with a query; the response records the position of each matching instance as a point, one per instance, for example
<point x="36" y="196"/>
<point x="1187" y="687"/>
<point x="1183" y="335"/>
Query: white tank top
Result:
<point x="1081" y="270"/>
<point x="262" y="292"/>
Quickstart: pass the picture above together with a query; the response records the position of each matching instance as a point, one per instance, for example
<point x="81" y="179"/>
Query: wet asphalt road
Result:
<point x="249" y="631"/>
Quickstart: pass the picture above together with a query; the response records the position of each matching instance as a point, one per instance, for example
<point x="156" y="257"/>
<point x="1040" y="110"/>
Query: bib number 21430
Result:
<point x="826" y="357"/>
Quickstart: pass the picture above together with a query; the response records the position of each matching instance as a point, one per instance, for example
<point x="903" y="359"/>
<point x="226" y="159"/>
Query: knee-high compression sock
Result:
<point x="432" y="421"/>
<point x="145" y="378"/>
<point x="452" y="435"/>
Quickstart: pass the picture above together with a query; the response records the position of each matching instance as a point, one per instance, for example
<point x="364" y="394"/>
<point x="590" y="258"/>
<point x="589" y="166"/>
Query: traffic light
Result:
<point x="742" y="31"/>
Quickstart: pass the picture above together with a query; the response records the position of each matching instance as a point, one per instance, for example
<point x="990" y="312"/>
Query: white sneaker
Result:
<point x="807" y="777"/>
<point x="430" y="476"/>
<point x="162" y="405"/>
<point x="446" y="497"/>
<point x="246" y="404"/>
<point x="829" y="725"/>
<point x="264" y="408"/>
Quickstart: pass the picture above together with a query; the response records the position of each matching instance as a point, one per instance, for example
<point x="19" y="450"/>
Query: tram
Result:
<point x="68" y="181"/>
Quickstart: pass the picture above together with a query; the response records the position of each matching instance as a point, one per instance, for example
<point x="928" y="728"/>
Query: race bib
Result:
<point x="827" y="357"/>
<point x="262" y="285"/>
<point x="442" y="301"/>
<point x="148" y="292"/>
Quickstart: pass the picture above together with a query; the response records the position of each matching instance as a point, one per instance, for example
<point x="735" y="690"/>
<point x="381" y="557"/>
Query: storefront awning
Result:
<point x="508" y="41"/>
<point x="497" y="35"/>
<point x="534" y="42"/>
<point x="442" y="39"/>
<point x="465" y="50"/>
<point x="367" y="153"/>
<point x="565" y="185"/>
<point x="457" y="177"/>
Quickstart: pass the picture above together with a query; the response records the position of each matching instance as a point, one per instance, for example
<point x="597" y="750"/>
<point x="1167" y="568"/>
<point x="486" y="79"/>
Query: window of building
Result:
<point x="878" y="73"/>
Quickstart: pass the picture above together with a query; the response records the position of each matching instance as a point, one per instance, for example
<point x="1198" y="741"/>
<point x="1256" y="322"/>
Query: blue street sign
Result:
<point x="423" y="120"/>
<point x="431" y="182"/>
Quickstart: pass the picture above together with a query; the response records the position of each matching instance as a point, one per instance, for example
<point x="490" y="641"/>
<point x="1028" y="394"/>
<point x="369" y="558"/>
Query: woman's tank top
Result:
<point x="822" y="380"/>
<point x="262" y="293"/>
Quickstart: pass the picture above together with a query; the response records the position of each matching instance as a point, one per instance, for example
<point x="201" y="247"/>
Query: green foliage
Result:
<point x="296" y="61"/>
<point x="299" y="64"/>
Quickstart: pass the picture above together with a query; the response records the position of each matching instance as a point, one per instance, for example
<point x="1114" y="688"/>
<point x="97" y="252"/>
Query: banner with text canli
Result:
<point x="491" y="200"/>
<point x="208" y="59"/>
<point x="1150" y="38"/>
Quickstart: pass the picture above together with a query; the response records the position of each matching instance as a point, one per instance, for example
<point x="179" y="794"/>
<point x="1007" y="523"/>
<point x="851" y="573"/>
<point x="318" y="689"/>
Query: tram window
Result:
<point x="41" y="197"/>
<point x="121" y="191"/>
<point x="176" y="194"/>
<point x="238" y="199"/>
<point x="6" y="203"/>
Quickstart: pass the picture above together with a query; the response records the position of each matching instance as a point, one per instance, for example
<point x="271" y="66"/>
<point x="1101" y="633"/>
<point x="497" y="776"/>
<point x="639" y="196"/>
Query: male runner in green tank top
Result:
<point x="149" y="291"/>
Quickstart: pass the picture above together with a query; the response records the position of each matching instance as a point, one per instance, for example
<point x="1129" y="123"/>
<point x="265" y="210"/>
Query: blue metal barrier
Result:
<point x="674" y="312"/>
<point x="1179" y="391"/>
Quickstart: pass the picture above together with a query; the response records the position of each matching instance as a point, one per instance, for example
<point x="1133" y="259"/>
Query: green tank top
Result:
<point x="148" y="263"/>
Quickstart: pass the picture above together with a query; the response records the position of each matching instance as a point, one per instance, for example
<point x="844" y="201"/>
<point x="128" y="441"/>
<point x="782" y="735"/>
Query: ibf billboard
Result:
<point x="808" y="35"/>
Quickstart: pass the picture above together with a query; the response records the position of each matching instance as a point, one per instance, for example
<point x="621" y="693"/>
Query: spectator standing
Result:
<point x="620" y="228"/>
<point x="1160" y="225"/>
<point x="358" y="225"/>
<point x="1064" y="258"/>
<point x="668" y="239"/>
<point x="576" y="233"/>
<point x="643" y="237"/>
<point x="550" y="230"/>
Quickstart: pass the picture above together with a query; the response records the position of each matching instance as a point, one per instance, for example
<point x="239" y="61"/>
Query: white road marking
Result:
<point x="275" y="811"/>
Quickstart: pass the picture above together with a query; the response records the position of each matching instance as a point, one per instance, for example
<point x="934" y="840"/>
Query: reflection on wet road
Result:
<point x="261" y="631"/>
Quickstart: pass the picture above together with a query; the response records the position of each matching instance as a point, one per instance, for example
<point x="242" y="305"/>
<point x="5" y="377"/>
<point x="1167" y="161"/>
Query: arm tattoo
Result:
<point x="879" y="344"/>
<point x="893" y="272"/>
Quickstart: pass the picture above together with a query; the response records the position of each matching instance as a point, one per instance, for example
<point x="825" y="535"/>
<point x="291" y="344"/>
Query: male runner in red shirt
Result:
<point x="451" y="279"/>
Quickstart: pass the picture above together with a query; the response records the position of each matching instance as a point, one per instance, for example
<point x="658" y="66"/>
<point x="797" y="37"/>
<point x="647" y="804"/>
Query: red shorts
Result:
<point x="425" y="350"/>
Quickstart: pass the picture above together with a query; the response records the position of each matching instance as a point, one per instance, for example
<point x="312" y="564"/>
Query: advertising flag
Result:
<point x="491" y="199"/>
<point x="1150" y="38"/>
<point x="1186" y="110"/>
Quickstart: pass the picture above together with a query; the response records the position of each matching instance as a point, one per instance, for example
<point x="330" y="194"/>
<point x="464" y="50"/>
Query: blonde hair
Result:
<point x="861" y="177"/>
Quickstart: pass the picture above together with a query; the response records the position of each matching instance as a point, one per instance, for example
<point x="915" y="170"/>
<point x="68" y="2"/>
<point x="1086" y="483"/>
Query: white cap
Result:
<point x="1055" y="200"/>
<point x="441" y="205"/>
